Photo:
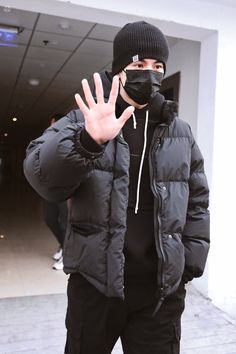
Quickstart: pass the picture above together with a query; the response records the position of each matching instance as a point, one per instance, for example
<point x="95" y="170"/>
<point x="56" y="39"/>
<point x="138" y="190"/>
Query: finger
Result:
<point x="87" y="93"/>
<point x="126" y="115"/>
<point x="84" y="109"/>
<point x="98" y="88"/>
<point x="114" y="90"/>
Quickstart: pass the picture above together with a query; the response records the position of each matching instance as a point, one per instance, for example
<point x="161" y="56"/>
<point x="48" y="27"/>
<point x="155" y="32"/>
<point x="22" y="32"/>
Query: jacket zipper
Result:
<point x="121" y="140"/>
<point x="157" y="224"/>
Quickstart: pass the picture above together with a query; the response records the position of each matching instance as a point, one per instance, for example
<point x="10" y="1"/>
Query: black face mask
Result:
<point x="141" y="85"/>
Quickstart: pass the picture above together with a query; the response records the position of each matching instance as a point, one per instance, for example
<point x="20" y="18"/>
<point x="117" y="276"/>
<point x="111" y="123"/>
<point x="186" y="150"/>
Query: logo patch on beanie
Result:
<point x="135" y="58"/>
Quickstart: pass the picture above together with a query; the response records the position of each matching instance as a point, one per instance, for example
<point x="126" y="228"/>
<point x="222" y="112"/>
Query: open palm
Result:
<point x="100" y="120"/>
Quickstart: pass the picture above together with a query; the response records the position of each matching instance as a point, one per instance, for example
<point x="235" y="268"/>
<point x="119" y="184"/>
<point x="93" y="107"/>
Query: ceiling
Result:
<point x="56" y="53"/>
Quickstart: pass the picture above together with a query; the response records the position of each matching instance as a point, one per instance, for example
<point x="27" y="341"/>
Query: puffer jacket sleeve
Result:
<point x="56" y="163"/>
<point x="196" y="234"/>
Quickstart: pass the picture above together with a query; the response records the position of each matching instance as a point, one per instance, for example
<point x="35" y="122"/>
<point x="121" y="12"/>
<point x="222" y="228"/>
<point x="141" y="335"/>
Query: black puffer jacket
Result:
<point x="58" y="166"/>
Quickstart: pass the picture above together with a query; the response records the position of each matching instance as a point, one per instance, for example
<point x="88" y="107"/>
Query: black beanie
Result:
<point x="137" y="41"/>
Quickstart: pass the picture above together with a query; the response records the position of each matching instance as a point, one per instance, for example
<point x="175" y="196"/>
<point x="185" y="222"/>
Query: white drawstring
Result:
<point x="141" y="164"/>
<point x="134" y="121"/>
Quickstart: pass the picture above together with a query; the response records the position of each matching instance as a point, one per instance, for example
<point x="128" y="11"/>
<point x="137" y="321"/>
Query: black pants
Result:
<point x="55" y="216"/>
<point x="95" y="322"/>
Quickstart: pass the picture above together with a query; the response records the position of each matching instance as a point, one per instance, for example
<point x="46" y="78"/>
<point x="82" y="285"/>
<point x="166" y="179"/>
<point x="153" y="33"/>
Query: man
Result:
<point x="55" y="216"/>
<point x="139" y="224"/>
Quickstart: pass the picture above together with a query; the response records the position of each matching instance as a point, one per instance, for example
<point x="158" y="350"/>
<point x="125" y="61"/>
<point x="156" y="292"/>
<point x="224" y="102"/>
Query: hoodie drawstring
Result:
<point x="134" y="121"/>
<point x="141" y="162"/>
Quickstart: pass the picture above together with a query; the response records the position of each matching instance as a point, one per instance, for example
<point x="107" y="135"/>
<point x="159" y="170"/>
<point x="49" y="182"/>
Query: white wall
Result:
<point x="222" y="280"/>
<point x="185" y="57"/>
<point x="205" y="125"/>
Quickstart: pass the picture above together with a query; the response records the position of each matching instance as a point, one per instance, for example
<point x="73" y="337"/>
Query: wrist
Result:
<point x="89" y="142"/>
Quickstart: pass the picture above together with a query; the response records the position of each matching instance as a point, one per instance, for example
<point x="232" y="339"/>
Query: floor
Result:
<point x="33" y="295"/>
<point x="26" y="246"/>
<point x="35" y="324"/>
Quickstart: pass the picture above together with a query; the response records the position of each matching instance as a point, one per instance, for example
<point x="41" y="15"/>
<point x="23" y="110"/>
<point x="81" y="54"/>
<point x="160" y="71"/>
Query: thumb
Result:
<point x="126" y="114"/>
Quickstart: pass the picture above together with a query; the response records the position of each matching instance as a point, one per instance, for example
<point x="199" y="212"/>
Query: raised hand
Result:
<point x="100" y="119"/>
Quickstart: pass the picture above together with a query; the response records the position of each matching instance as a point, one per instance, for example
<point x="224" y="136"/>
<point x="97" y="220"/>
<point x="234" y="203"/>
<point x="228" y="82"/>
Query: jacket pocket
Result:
<point x="85" y="251"/>
<point x="85" y="229"/>
<point x="174" y="260"/>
